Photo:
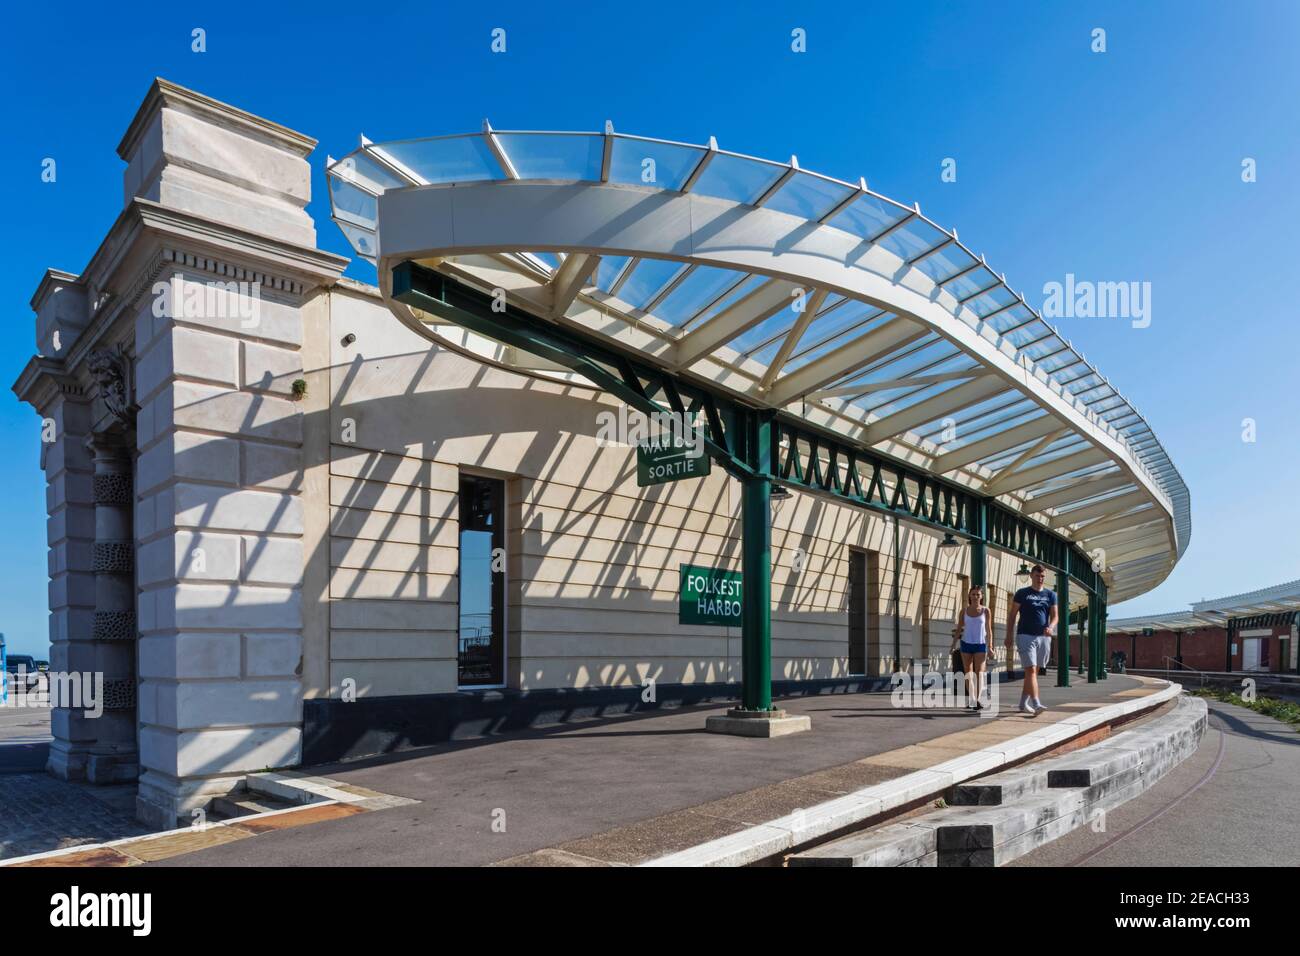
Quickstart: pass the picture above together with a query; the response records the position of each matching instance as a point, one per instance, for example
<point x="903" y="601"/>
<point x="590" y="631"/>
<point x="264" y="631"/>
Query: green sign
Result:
<point x="709" y="596"/>
<point x="1148" y="632"/>
<point x="657" y="464"/>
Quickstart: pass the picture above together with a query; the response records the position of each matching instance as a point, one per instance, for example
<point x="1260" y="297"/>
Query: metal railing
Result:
<point x="1181" y="667"/>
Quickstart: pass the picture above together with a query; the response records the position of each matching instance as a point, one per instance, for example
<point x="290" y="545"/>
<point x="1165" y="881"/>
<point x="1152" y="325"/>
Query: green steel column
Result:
<point x="1094" y="605"/>
<point x="756" y="565"/>
<point x="979" y="551"/>
<point x="1103" y="657"/>
<point x="1063" y="625"/>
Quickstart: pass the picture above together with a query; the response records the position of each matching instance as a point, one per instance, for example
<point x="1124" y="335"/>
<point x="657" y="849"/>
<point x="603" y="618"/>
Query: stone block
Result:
<point x="272" y="560"/>
<point x="272" y="654"/>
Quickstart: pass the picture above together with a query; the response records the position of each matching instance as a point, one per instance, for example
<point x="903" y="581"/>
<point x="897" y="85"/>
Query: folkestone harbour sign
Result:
<point x="709" y="596"/>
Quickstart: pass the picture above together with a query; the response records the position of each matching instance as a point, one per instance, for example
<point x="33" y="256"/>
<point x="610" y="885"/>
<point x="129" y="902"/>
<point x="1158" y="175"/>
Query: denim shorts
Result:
<point x="974" y="648"/>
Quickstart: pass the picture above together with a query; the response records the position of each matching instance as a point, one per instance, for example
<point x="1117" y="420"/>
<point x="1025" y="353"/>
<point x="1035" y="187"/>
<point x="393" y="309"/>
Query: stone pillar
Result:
<point x="219" y="524"/>
<point x="70" y="532"/>
<point x="220" y="506"/>
<point x="194" y="310"/>
<point x="113" y="756"/>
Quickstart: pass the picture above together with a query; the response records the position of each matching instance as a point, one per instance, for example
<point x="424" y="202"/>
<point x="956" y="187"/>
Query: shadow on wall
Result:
<point x="578" y="541"/>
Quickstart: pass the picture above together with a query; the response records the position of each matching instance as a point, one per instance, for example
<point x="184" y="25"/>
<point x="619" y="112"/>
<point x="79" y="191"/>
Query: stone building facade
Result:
<point x="257" y="478"/>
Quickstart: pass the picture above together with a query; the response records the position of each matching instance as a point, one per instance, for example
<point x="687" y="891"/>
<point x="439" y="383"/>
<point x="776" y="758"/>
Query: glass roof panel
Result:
<point x="913" y="238"/>
<point x="1079" y="386"/>
<point x="970" y="424"/>
<point x="1056" y="360"/>
<point x="554" y="155"/>
<point x="645" y="162"/>
<point x="735" y="295"/>
<point x="451" y="159"/>
<point x="991" y="424"/>
<point x="868" y="216"/>
<point x="695" y="292"/>
<point x="356" y="205"/>
<point x="831" y="343"/>
<point x="991" y="301"/>
<point x="779" y="323"/>
<point x="831" y="324"/>
<point x="888" y="402"/>
<point x="549" y="259"/>
<point x="946" y="262"/>
<point x="647" y="278"/>
<point x="765" y="351"/>
<point x="971" y="282"/>
<point x="363" y="240"/>
<point x="1012" y="318"/>
<point x="367" y="172"/>
<point x="737" y="178"/>
<point x="809" y="196"/>
<point x="1025" y="334"/>
<point x="608" y="270"/>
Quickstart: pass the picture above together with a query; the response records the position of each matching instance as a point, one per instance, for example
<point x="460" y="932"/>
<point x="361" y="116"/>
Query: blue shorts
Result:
<point x="974" y="648"/>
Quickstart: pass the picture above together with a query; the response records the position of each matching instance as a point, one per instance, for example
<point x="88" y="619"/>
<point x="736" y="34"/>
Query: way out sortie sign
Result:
<point x="657" y="464"/>
<point x="709" y="596"/>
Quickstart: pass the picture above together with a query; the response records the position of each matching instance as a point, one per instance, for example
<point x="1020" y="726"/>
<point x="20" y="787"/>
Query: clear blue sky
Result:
<point x="1117" y="166"/>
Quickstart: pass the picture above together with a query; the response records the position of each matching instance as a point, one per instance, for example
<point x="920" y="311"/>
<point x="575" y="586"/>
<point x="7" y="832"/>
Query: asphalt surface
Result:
<point x="1235" y="802"/>
<point x="24" y="739"/>
<point x="484" y="801"/>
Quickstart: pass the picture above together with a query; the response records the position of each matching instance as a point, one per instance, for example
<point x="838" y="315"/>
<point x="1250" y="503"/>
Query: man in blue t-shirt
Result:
<point x="1035" y="606"/>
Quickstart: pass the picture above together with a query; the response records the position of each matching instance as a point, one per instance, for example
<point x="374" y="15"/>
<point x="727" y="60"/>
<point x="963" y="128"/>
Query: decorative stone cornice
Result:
<point x="44" y="378"/>
<point x="165" y="94"/>
<point x="147" y="238"/>
<point x="52" y="279"/>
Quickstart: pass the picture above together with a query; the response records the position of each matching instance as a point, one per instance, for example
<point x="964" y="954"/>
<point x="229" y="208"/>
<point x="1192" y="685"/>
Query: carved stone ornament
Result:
<point x="113" y="372"/>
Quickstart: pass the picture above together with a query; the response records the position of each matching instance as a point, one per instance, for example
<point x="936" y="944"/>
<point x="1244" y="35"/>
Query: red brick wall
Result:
<point x="1204" y="649"/>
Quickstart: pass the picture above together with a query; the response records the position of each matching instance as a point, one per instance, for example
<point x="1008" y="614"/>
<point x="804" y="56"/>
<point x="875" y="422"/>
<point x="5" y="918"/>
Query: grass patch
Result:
<point x="1283" y="710"/>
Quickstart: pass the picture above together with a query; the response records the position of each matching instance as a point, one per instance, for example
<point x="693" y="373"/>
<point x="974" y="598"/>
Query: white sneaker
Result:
<point x="1039" y="707"/>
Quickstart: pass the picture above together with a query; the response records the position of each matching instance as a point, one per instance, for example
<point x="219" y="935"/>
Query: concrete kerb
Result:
<point x="793" y="830"/>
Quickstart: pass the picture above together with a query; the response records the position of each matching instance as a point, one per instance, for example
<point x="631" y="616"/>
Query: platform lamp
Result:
<point x="949" y="541"/>
<point x="1023" y="572"/>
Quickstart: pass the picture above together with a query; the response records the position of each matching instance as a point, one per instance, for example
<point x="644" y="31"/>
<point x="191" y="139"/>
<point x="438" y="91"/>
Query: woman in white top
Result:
<point x="974" y="625"/>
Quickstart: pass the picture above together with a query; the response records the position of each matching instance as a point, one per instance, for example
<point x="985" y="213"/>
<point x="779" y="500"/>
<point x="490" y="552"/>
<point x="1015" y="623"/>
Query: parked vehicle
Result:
<point x="22" y="666"/>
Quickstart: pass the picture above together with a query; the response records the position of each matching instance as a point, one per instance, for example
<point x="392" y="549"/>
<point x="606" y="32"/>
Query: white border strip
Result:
<point x="794" y="829"/>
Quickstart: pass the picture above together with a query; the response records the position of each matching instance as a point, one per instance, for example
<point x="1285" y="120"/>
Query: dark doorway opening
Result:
<point x="857" y="612"/>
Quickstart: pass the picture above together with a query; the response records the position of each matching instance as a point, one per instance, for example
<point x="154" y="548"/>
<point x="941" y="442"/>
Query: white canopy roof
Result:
<point x="1278" y="599"/>
<point x="791" y="290"/>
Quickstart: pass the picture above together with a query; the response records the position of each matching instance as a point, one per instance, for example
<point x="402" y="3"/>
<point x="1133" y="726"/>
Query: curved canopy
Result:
<point x="791" y="290"/>
<point x="1280" y="599"/>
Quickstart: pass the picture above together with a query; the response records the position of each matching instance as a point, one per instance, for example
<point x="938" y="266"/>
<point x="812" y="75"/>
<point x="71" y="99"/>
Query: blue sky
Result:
<point x="1123" y="165"/>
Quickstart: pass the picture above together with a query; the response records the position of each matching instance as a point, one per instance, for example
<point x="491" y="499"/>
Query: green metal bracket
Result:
<point x="757" y="446"/>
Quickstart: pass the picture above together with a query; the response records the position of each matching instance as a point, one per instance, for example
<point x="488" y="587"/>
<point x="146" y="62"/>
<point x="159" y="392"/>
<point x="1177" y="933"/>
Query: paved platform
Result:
<point x="40" y="813"/>
<point x="630" y="789"/>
